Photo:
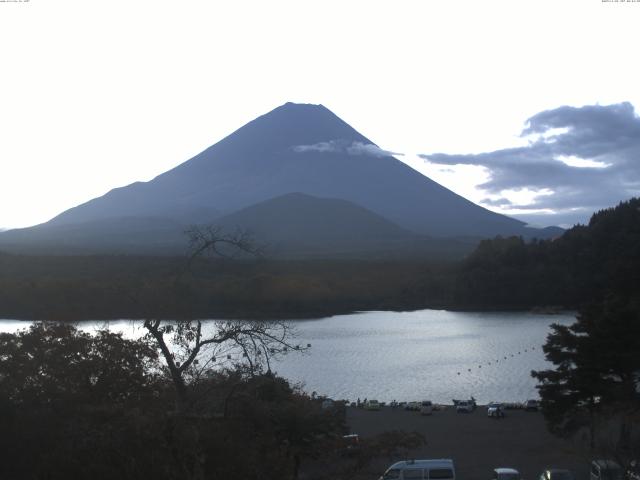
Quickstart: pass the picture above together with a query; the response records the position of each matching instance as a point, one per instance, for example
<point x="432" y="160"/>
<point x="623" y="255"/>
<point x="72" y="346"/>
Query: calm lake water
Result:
<point x="427" y="354"/>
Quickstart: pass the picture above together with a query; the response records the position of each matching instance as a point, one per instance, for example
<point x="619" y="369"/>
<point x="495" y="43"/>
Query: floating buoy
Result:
<point x="458" y="373"/>
<point x="308" y="345"/>
<point x="228" y="357"/>
<point x="469" y="370"/>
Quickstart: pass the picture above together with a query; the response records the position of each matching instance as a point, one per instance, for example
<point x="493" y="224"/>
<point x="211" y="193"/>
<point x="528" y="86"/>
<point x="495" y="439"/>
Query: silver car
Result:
<point x="495" y="410"/>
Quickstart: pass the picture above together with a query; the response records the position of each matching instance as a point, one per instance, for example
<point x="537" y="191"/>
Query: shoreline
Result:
<point x="542" y="311"/>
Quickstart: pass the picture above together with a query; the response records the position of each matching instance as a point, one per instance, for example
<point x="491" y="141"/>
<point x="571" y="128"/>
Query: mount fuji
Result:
<point x="299" y="166"/>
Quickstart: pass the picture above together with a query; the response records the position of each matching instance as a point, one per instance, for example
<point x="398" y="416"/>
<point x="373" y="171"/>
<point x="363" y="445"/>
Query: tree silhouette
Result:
<point x="190" y="349"/>
<point x="597" y="369"/>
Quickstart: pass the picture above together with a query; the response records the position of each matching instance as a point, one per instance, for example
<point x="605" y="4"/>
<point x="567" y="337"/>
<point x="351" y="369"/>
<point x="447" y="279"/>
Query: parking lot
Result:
<point x="476" y="443"/>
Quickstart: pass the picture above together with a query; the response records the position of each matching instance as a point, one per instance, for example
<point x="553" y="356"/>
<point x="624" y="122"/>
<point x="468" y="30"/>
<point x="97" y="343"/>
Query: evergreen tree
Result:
<point x="597" y="367"/>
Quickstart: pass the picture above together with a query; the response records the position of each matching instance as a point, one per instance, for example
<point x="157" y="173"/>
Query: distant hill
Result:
<point x="294" y="148"/>
<point x="300" y="225"/>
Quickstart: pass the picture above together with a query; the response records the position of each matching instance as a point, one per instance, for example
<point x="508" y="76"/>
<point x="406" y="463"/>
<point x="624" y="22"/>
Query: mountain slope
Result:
<point x="263" y="160"/>
<point x="121" y="235"/>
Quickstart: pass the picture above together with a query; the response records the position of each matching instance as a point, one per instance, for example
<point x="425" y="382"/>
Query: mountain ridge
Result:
<point x="301" y="148"/>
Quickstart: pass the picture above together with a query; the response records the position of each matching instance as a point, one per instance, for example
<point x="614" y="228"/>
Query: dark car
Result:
<point x="350" y="445"/>
<point x="605" y="470"/>
<point x="506" y="474"/>
<point x="556" y="474"/>
<point x="532" y="405"/>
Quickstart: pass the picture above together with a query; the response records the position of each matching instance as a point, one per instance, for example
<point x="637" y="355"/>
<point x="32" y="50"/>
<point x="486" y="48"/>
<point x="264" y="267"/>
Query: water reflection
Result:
<point x="427" y="354"/>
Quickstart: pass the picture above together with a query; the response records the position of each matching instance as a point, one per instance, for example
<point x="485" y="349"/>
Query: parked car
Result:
<point x="327" y="403"/>
<point x="471" y="400"/>
<point x="532" y="405"/>
<point x="495" y="410"/>
<point x="605" y="470"/>
<point x="503" y="473"/>
<point x="350" y="445"/>
<point x="464" y="406"/>
<point x="556" y="474"/>
<point x="426" y="408"/>
<point x="372" y="405"/>
<point x="413" y="406"/>
<point x="440" y="469"/>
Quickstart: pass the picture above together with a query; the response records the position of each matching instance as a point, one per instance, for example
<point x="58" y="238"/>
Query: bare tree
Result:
<point x="191" y="348"/>
<point x="211" y="240"/>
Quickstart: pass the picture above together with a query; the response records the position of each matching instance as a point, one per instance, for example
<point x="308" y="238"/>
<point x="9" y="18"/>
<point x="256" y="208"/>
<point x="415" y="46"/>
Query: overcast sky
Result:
<point x="527" y="107"/>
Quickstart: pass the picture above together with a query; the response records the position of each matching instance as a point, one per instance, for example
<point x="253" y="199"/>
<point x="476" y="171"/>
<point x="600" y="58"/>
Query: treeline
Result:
<point x="108" y="287"/>
<point x="75" y="405"/>
<point x="581" y="266"/>
<point x="592" y="392"/>
<point x="502" y="273"/>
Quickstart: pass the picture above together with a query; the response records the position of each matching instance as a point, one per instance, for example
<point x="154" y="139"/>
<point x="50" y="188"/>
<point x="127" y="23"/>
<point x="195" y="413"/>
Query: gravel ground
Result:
<point x="476" y="443"/>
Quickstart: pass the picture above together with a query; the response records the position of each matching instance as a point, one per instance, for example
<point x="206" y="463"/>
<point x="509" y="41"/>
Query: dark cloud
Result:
<point x="342" y="146"/>
<point x="608" y="136"/>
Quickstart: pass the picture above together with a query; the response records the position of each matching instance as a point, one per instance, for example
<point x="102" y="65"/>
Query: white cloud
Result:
<point x="324" y="147"/>
<point x="341" y="146"/>
<point x="588" y="162"/>
<point x="578" y="162"/>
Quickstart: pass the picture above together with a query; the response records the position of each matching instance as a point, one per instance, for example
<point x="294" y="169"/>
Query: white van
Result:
<point x="440" y="469"/>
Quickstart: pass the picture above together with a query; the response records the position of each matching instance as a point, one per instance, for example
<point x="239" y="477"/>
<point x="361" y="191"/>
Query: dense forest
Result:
<point x="502" y="273"/>
<point x="102" y="287"/>
<point x="581" y="266"/>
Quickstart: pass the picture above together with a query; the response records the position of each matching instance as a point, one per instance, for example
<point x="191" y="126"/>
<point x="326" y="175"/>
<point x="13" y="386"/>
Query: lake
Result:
<point x="427" y="354"/>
